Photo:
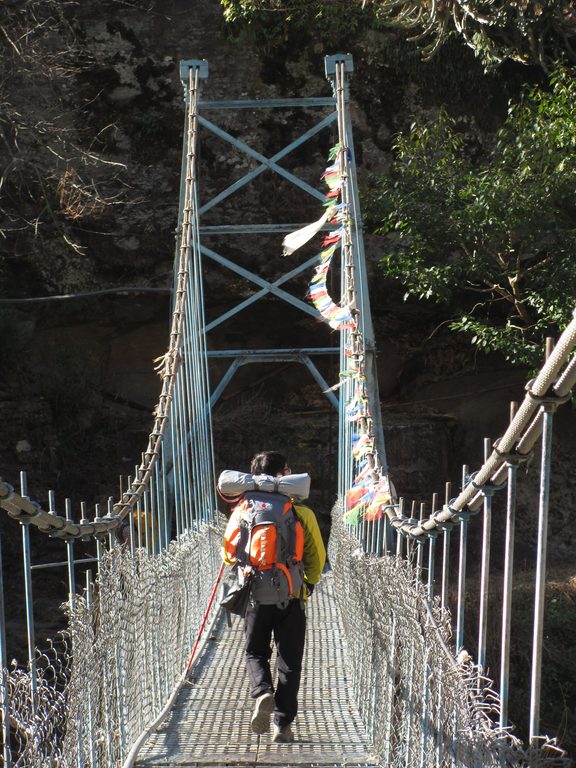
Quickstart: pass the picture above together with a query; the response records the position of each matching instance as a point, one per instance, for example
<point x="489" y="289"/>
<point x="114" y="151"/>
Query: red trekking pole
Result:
<point x="212" y="596"/>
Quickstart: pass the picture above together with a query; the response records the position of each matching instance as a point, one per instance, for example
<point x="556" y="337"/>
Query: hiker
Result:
<point x="284" y="620"/>
<point x="144" y="530"/>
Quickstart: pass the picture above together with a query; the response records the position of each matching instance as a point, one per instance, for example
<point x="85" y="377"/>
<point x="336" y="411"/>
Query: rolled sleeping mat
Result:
<point x="231" y="483"/>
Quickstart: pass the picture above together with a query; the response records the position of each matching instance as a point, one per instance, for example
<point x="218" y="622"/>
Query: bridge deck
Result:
<point x="210" y="723"/>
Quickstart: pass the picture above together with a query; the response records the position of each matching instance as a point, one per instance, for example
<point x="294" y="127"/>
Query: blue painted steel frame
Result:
<point x="266" y="287"/>
<point x="243" y="357"/>
<point x="265" y="162"/>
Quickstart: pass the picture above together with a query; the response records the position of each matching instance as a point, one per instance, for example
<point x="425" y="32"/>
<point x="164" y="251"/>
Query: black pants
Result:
<point x="288" y="625"/>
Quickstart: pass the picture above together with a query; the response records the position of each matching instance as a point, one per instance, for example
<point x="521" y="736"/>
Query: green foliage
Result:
<point x="495" y="240"/>
<point x="529" y="31"/>
<point x="273" y="23"/>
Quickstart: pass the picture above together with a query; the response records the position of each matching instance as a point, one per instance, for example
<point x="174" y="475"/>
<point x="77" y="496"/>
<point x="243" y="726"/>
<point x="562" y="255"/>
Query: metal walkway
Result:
<point x="210" y="723"/>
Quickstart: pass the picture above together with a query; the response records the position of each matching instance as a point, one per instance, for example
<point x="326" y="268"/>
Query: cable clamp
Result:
<point x="459" y="514"/>
<point x="512" y="457"/>
<point x="25" y="516"/>
<point x="9" y="490"/>
<point x="413" y="522"/>
<point x="554" y="400"/>
<point x="450" y="509"/>
<point x="487" y="488"/>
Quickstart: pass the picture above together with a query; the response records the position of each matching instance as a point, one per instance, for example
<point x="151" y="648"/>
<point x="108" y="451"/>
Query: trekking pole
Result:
<point x="210" y="601"/>
<point x="257" y="751"/>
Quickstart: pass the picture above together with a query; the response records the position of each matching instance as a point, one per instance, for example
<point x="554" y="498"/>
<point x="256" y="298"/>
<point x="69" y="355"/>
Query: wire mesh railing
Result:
<point x="436" y="550"/>
<point x="104" y="680"/>
<point x="423" y="705"/>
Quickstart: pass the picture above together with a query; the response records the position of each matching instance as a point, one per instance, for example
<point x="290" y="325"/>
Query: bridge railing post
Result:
<point x="88" y="728"/>
<point x="540" y="587"/>
<point x="27" y="564"/>
<point x="462" y="557"/>
<point x="4" y="702"/>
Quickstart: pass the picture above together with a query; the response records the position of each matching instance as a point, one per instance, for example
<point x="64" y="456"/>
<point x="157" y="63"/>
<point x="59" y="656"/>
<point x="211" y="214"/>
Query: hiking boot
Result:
<point x="282" y="735"/>
<point x="262" y="710"/>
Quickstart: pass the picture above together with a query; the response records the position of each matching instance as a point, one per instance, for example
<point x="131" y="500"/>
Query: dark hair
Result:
<point x="268" y="463"/>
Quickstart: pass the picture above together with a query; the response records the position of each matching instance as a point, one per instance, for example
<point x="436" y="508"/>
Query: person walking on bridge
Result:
<point x="285" y="621"/>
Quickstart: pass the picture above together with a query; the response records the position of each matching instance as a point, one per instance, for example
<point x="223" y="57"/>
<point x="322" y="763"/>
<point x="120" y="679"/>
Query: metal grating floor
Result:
<point x="210" y="723"/>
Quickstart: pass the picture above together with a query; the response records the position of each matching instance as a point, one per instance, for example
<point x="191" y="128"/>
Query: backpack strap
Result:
<point x="244" y="533"/>
<point x="243" y="542"/>
<point x="292" y="537"/>
<point x="228" y="498"/>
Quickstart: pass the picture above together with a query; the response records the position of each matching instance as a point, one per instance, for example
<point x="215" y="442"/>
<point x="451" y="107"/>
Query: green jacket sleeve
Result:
<point x="314" y="550"/>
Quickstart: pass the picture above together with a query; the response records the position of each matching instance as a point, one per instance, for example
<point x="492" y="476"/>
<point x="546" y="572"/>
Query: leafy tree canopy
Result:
<point x="495" y="240"/>
<point x="528" y="31"/>
<point x="275" y="23"/>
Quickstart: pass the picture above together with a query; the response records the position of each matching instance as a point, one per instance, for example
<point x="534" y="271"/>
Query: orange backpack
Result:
<point x="266" y="540"/>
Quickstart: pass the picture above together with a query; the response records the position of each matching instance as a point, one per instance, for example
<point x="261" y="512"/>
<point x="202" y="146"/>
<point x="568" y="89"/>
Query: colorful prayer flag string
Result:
<point x="337" y="316"/>
<point x="370" y="493"/>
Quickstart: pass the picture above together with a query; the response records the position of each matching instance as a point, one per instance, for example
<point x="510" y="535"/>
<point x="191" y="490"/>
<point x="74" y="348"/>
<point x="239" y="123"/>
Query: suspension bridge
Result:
<point x="149" y="670"/>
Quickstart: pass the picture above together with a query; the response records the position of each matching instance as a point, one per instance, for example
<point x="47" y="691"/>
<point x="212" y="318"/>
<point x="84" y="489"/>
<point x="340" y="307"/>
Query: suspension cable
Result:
<point x="122" y="290"/>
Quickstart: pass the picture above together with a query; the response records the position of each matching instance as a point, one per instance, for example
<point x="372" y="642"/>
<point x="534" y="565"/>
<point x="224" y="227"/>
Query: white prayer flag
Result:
<point x="297" y="239"/>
